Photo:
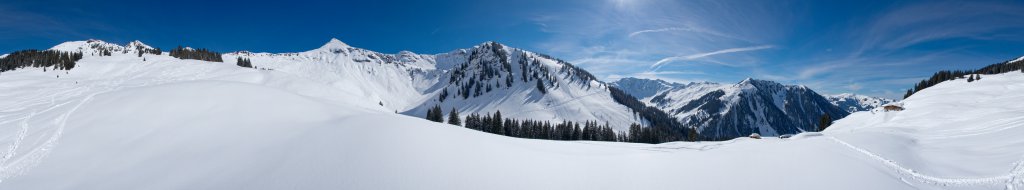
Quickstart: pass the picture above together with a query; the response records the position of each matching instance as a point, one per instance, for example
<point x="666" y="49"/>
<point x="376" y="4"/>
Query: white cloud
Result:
<point x="815" y="70"/>
<point x="685" y="29"/>
<point x="706" y="54"/>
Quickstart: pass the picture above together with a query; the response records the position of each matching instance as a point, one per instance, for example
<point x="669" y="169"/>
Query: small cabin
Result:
<point x="892" y="108"/>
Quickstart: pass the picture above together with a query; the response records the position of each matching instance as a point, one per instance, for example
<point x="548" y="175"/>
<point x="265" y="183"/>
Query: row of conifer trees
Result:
<point x="197" y="54"/>
<point x="535" y="129"/>
<point x="244" y="62"/>
<point x="35" y="58"/>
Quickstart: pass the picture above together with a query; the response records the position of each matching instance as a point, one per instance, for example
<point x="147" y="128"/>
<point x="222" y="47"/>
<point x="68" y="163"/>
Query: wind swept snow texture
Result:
<point x="115" y="122"/>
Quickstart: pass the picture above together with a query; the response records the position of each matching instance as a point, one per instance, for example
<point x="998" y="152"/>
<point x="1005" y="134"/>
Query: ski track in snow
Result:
<point x="17" y="142"/>
<point x="11" y="166"/>
<point x="1012" y="180"/>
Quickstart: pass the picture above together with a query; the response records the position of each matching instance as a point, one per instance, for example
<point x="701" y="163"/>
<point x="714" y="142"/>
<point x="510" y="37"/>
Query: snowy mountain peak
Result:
<point x="488" y="44"/>
<point x="759" y="82"/>
<point x="334" y="44"/>
<point x="137" y="45"/>
<point x="763" y="84"/>
<point x="855" y="102"/>
<point x="74" y="46"/>
<point x="657" y="81"/>
<point x="747" y="80"/>
<point x="93" y="47"/>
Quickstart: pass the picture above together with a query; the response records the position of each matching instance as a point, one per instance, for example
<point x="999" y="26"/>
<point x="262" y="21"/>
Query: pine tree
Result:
<point x="243" y="62"/>
<point x="453" y="118"/>
<point x="978" y="77"/>
<point x="540" y="87"/>
<point x="496" y="125"/>
<point x="442" y="95"/>
<point x="970" y="79"/>
<point x="824" y="122"/>
<point x="430" y="114"/>
<point x="436" y="114"/>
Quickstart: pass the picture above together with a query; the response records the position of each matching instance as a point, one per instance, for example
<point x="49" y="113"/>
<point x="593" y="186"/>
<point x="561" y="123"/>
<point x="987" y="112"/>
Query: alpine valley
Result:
<point x="492" y="77"/>
<point x="98" y="115"/>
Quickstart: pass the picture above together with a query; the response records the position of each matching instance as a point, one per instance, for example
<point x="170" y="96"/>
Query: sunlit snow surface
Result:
<point x="121" y="123"/>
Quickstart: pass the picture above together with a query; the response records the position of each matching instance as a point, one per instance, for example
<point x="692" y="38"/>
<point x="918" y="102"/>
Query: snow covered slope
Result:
<point x="855" y="102"/>
<point x="956" y="135"/>
<point x="722" y="111"/>
<point x="117" y="122"/>
<point x="486" y="78"/>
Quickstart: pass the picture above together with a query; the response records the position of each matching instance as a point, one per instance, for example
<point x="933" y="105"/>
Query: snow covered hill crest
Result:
<point x="95" y="47"/>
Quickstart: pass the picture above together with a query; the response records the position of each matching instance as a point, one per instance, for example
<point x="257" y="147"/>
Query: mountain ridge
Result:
<point x="723" y="111"/>
<point x="491" y="77"/>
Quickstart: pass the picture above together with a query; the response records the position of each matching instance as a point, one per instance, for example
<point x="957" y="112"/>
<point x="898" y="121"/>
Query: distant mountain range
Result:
<point x="492" y="77"/>
<point x="856" y="102"/>
<point x="722" y="111"/>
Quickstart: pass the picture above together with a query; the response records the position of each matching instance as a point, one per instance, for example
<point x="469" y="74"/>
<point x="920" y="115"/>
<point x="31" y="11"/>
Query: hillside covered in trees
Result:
<point x="35" y="58"/>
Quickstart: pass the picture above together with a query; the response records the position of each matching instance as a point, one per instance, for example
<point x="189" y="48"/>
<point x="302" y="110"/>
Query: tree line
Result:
<point x="666" y="127"/>
<point x="139" y="50"/>
<point x="197" y="54"/>
<point x="536" y="129"/>
<point x="946" y="75"/>
<point x="35" y="58"/>
<point x="244" y="62"/>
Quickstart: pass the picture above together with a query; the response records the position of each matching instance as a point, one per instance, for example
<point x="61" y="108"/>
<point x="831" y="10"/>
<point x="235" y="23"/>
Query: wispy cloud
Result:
<point x="706" y="54"/>
<point x="623" y="38"/>
<point x="686" y="29"/>
<point x="658" y="30"/>
<point x="815" y="70"/>
<point x="873" y="50"/>
<point x="918" y="23"/>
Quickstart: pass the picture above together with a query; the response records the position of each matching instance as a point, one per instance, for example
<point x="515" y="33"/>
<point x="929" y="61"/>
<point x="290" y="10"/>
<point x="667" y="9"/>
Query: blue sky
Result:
<point x="876" y="48"/>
